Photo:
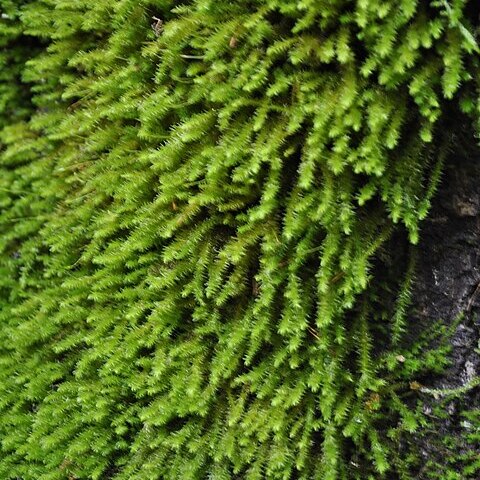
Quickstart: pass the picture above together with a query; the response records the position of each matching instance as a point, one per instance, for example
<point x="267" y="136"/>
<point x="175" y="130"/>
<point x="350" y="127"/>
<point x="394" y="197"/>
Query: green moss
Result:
<point x="199" y="228"/>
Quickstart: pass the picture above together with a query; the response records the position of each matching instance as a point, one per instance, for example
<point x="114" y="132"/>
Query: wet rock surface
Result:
<point x="447" y="288"/>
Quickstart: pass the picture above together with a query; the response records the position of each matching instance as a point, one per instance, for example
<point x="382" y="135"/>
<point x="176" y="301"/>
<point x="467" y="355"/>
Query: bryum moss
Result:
<point x="199" y="206"/>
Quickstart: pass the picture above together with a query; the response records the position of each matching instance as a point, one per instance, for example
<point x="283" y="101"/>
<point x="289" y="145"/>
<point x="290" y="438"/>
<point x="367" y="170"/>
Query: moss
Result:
<point x="204" y="232"/>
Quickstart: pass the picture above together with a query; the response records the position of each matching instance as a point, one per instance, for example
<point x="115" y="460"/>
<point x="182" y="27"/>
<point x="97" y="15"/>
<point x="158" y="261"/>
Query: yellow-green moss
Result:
<point x="196" y="230"/>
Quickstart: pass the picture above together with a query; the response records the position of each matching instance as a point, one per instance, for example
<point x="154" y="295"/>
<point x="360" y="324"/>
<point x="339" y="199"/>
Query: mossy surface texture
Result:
<point x="205" y="212"/>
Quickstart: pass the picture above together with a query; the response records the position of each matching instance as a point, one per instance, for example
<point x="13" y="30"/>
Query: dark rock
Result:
<point x="447" y="286"/>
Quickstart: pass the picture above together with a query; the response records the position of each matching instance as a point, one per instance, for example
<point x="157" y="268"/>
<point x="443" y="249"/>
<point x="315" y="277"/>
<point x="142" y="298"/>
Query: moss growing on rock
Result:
<point x="201" y="233"/>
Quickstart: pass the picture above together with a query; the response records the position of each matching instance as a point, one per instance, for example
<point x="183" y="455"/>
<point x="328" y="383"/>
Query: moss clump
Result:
<point x="200" y="231"/>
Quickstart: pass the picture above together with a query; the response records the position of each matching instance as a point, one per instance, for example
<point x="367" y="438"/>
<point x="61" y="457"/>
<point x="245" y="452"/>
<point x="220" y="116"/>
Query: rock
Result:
<point x="447" y="288"/>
